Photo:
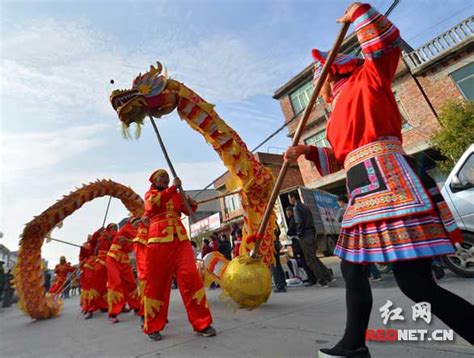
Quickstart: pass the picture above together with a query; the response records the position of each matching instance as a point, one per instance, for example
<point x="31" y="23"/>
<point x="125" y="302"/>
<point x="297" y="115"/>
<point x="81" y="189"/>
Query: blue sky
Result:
<point x="58" y="129"/>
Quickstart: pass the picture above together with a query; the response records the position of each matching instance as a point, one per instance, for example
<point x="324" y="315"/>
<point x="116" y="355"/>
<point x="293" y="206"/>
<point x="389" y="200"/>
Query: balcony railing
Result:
<point x="461" y="33"/>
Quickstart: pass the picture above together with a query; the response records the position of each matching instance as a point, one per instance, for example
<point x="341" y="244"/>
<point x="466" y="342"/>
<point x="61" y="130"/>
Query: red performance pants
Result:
<point x="58" y="284"/>
<point x="98" y="289"/>
<point x="121" y="285"/>
<point x="163" y="261"/>
<point x="140" y="257"/>
<point x="86" y="281"/>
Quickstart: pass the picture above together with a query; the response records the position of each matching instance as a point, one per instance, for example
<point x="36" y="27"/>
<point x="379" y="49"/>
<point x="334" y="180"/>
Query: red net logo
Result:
<point x="421" y="310"/>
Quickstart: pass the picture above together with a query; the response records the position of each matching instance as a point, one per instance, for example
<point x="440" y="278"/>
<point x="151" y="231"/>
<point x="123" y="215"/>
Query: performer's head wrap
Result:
<point x="344" y="64"/>
<point x="157" y="173"/>
<point x="133" y="219"/>
<point x="111" y="227"/>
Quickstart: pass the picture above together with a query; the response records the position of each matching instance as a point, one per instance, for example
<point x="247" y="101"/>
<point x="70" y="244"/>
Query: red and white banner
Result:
<point x="207" y="224"/>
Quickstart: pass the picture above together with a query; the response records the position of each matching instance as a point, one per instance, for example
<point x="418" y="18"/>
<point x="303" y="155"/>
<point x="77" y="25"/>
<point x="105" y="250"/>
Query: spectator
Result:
<point x="67" y="288"/>
<point x="47" y="280"/>
<point x="206" y="248"/>
<point x="194" y="245"/>
<point x="8" y="290"/>
<point x="215" y="242"/>
<point x="2" y="278"/>
<point x="277" y="270"/>
<point x="75" y="284"/>
<point x="234" y="234"/>
<point x="297" y="250"/>
<point x="342" y="201"/>
<point x="224" y="247"/>
<point x="237" y="242"/>
<point x="306" y="233"/>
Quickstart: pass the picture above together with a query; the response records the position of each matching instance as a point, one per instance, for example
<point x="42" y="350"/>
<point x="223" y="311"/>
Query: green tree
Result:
<point x="457" y="132"/>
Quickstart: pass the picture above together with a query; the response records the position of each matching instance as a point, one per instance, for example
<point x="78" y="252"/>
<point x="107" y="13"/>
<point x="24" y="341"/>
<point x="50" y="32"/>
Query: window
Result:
<point x="466" y="174"/>
<point x="300" y="98"/>
<point x="464" y="78"/>
<point x="232" y="203"/>
<point x="318" y="140"/>
<point x="405" y="124"/>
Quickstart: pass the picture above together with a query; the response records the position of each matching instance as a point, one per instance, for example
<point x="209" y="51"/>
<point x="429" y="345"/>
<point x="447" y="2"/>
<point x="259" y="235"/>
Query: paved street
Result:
<point x="292" y="324"/>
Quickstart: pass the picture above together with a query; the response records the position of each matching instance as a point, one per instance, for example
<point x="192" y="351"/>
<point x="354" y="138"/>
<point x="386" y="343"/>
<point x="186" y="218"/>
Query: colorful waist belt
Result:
<point x="389" y="145"/>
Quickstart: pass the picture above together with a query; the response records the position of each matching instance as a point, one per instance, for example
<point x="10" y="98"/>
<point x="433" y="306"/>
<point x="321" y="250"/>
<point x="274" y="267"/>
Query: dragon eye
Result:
<point x="158" y="85"/>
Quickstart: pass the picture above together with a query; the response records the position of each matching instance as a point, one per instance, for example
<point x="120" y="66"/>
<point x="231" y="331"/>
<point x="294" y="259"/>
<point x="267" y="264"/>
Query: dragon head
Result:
<point x="152" y="94"/>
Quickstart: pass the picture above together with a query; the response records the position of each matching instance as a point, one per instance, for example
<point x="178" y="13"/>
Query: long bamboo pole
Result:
<point x="299" y="132"/>
<point x="218" y="197"/>
<point x="170" y="165"/>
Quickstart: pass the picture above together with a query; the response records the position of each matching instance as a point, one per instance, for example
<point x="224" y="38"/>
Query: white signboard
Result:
<point x="210" y="223"/>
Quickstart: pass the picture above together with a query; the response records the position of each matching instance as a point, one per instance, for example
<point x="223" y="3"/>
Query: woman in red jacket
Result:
<point x="395" y="212"/>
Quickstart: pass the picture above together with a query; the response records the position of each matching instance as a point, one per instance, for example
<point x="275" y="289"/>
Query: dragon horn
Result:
<point x="159" y="67"/>
<point x="166" y="74"/>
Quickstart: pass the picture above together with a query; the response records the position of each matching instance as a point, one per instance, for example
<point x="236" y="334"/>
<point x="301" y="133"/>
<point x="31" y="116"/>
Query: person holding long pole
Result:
<point x="98" y="294"/>
<point x="170" y="254"/>
<point x="121" y="285"/>
<point x="395" y="212"/>
<point x="61" y="270"/>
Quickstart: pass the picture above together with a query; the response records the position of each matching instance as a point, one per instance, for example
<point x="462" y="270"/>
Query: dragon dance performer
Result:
<point x="98" y="288"/>
<point x="140" y="246"/>
<point x="395" y="212"/>
<point x="87" y="259"/>
<point x="170" y="254"/>
<point x="61" y="271"/>
<point x="121" y="284"/>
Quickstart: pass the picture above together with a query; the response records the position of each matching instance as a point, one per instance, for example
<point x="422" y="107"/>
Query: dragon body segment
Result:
<point x="28" y="271"/>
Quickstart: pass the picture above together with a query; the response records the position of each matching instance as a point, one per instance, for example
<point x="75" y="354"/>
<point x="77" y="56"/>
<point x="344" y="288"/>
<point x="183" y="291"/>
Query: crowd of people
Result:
<point x="228" y="247"/>
<point x="7" y="288"/>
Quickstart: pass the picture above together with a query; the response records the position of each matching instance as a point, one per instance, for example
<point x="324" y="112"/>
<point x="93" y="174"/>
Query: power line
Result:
<point x="439" y="23"/>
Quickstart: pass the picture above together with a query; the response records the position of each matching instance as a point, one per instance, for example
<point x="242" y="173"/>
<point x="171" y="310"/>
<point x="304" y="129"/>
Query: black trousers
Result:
<point x="308" y="245"/>
<point x="278" y="274"/>
<point x="416" y="281"/>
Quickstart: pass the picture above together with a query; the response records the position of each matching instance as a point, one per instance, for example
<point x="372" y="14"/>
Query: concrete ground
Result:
<point x="292" y="324"/>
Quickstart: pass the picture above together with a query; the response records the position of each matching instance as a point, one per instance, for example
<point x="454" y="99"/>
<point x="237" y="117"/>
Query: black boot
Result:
<point x="339" y="352"/>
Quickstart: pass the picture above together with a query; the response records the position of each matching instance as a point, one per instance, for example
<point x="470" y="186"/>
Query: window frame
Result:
<point x="300" y="92"/>
<point x="323" y="139"/>
<point x="469" y="76"/>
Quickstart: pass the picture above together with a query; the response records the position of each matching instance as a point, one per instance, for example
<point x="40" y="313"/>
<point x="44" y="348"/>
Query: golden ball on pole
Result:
<point x="247" y="281"/>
